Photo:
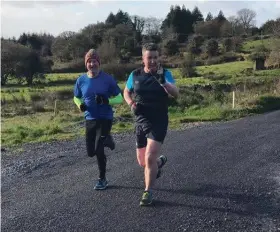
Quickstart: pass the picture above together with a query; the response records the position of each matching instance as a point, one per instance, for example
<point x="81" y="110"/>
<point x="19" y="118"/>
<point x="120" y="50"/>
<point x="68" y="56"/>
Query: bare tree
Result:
<point x="246" y="18"/>
<point x="138" y="23"/>
<point x="276" y="27"/>
<point x="152" y="26"/>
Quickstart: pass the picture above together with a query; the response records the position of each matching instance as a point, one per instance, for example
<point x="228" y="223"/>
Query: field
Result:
<point x="250" y="45"/>
<point x="46" y="112"/>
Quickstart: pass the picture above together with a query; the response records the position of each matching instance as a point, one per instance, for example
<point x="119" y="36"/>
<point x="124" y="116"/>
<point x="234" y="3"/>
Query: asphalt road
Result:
<point x="219" y="177"/>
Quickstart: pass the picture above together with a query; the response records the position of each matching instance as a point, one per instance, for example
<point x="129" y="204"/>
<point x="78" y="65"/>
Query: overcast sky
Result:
<point x="55" y="17"/>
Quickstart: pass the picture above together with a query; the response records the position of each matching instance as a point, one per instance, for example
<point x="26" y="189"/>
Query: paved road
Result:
<point x="219" y="177"/>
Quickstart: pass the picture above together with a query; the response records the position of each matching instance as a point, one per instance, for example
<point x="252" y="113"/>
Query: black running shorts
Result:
<point x="155" y="129"/>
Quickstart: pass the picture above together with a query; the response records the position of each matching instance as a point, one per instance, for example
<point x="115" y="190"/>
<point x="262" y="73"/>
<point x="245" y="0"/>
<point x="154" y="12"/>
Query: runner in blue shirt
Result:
<point x="94" y="93"/>
<point x="146" y="92"/>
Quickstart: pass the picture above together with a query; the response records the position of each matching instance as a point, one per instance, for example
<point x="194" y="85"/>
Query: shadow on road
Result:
<point x="252" y="202"/>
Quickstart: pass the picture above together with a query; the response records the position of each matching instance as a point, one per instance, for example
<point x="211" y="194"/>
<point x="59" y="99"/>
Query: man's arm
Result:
<point x="78" y="97"/>
<point x="127" y="96"/>
<point x="171" y="89"/>
<point x="128" y="90"/>
<point x="116" y="99"/>
<point x="169" y="84"/>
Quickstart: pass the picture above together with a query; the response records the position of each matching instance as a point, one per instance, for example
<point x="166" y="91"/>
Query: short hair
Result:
<point x="149" y="47"/>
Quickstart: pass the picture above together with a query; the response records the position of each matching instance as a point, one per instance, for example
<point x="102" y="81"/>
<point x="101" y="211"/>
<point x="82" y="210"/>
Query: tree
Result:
<point x="246" y="18"/>
<point x="111" y="19"/>
<point x="221" y="18"/>
<point x="180" y="21"/>
<point x="270" y="26"/>
<point x="228" y="44"/>
<point x="20" y="62"/>
<point x="276" y="27"/>
<point x="194" y="44"/>
<point x="119" y="35"/>
<point x="188" y="66"/>
<point x="197" y="15"/>
<point x="170" y="47"/>
<point x="209" y="17"/>
<point x="95" y="33"/>
<point x="210" y="29"/>
<point x="122" y="18"/>
<point x="235" y="25"/>
<point x="138" y="24"/>
<point x="212" y="47"/>
<point x="23" y="39"/>
<point x="152" y="26"/>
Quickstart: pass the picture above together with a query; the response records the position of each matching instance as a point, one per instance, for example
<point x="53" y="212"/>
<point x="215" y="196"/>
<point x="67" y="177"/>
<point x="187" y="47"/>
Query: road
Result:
<point x="219" y="177"/>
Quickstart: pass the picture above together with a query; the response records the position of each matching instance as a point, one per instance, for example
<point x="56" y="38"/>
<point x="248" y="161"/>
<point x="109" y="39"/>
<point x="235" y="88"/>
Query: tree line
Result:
<point x="120" y="36"/>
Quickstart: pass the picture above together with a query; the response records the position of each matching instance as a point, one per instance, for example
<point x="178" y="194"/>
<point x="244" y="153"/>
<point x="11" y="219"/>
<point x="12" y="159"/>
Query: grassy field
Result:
<point x="29" y="115"/>
<point x="251" y="45"/>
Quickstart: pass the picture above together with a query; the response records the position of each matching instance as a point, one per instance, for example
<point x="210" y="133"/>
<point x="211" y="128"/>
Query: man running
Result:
<point x="94" y="93"/>
<point x="146" y="92"/>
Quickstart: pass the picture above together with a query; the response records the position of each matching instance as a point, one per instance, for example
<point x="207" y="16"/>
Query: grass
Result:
<point x="226" y="69"/>
<point x="251" y="45"/>
<point x="23" y="121"/>
<point x="39" y="128"/>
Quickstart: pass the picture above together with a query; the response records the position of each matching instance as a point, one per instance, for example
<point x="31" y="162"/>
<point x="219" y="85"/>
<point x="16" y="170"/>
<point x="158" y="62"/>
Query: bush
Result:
<point x="188" y="66"/>
<point x="119" y="71"/>
<point x="38" y="106"/>
<point x="212" y="47"/>
<point x="75" y="66"/>
<point x="237" y="44"/>
<point x="228" y="44"/>
<point x="260" y="52"/>
<point x="213" y="60"/>
<point x="195" y="43"/>
<point x="187" y="98"/>
<point x="170" y="47"/>
<point x="230" y="57"/>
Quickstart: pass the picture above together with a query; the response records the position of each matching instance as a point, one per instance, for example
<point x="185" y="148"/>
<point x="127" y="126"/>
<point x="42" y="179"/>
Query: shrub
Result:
<point x="119" y="71"/>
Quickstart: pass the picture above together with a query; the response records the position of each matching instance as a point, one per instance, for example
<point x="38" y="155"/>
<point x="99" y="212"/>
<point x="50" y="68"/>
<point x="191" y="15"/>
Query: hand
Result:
<point x="101" y="99"/>
<point x="132" y="106"/>
<point x="135" y="108"/>
<point x="161" y="79"/>
<point x="83" y="107"/>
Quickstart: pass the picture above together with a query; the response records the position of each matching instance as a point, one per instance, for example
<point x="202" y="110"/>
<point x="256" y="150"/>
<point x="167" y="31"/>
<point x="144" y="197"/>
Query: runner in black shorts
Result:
<point x="146" y="92"/>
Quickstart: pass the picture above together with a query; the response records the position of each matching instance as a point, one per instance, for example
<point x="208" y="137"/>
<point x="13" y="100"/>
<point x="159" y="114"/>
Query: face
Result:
<point x="151" y="60"/>
<point x="93" y="65"/>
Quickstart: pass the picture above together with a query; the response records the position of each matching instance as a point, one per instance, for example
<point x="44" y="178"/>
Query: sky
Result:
<point x="54" y="17"/>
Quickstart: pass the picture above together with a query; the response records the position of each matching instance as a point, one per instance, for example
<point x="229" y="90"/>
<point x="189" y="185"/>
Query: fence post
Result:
<point x="233" y="99"/>
<point x="55" y="104"/>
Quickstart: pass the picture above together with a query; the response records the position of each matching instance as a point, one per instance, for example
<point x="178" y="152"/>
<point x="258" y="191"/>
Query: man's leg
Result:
<point x="106" y="132"/>
<point x="151" y="169"/>
<point x="101" y="133"/>
<point x="90" y="137"/>
<point x="141" y="156"/>
<point x="153" y="165"/>
<point x="152" y="151"/>
<point x="141" y="143"/>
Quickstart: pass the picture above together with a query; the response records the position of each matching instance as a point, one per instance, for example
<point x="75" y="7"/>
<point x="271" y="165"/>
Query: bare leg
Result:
<point x="151" y="168"/>
<point x="141" y="156"/>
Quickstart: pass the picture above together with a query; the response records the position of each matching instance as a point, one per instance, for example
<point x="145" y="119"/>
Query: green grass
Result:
<point x="251" y="45"/>
<point x="227" y="69"/>
<point x="39" y="128"/>
<point x="28" y="125"/>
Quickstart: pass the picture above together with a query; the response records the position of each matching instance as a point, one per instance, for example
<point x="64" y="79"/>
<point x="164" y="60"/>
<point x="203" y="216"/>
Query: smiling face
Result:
<point x="93" y="66"/>
<point x="150" y="60"/>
